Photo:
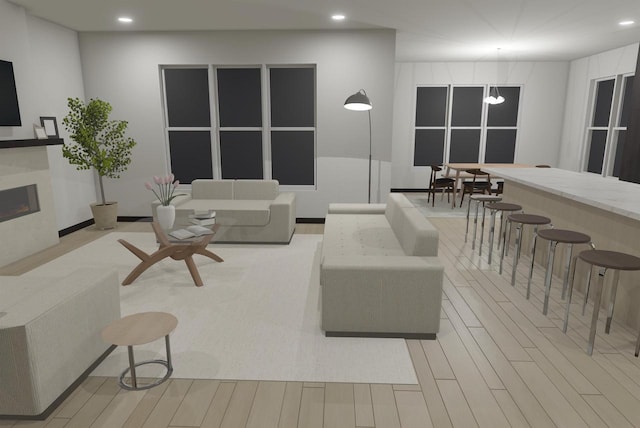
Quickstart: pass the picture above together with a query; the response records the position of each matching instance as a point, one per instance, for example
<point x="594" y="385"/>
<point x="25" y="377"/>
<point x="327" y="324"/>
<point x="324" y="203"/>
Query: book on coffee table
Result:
<point x="203" y="221"/>
<point x="190" y="232"/>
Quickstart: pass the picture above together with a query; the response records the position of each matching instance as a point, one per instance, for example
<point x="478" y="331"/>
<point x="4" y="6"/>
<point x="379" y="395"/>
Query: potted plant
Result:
<point x="165" y="212"/>
<point x="101" y="144"/>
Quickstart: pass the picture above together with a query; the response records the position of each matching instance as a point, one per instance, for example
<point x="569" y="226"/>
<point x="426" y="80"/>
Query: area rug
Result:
<point x="441" y="208"/>
<point x="256" y="317"/>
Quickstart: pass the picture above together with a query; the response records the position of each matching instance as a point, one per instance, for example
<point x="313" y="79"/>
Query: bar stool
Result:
<point x="605" y="260"/>
<point x="521" y="220"/>
<point x="493" y="209"/>
<point x="555" y="237"/>
<point x="478" y="199"/>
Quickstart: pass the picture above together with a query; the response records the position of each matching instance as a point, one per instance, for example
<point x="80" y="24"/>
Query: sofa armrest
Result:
<point x="395" y="296"/>
<point x="283" y="212"/>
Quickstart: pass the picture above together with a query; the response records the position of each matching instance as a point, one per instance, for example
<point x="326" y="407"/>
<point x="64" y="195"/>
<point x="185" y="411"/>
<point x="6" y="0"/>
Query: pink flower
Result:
<point x="157" y="179"/>
<point x="148" y="186"/>
<point x="171" y="177"/>
<point x="175" y="183"/>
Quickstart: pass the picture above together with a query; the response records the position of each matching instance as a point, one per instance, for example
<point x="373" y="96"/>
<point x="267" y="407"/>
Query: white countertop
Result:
<point x="609" y="194"/>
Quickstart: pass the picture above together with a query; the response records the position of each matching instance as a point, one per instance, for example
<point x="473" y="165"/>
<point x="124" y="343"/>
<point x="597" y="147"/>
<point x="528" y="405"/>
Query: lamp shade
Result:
<point x="358" y="101"/>
<point x="494" y="96"/>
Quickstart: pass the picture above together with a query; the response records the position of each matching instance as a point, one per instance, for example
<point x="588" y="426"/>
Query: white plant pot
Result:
<point x="166" y="216"/>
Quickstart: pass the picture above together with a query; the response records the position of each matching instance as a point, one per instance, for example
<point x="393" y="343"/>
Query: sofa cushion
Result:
<point x="363" y="234"/>
<point x="233" y="212"/>
<point x="255" y="189"/>
<point x="212" y="189"/>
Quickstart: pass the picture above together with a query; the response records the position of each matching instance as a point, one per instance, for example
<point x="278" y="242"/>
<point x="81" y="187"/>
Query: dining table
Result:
<point x="456" y="170"/>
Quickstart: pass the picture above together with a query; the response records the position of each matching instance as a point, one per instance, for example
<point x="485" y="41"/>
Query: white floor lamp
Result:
<point x="360" y="102"/>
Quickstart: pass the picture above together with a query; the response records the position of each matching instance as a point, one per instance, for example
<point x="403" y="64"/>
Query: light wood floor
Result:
<point x="497" y="362"/>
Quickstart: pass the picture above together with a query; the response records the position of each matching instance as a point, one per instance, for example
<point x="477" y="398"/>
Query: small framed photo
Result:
<point x="41" y="134"/>
<point x="50" y="125"/>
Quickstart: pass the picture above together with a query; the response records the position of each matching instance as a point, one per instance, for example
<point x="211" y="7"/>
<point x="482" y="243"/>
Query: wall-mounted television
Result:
<point x="9" y="110"/>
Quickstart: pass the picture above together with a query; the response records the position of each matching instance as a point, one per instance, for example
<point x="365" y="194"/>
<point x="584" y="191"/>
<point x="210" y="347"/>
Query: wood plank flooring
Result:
<point x="497" y="362"/>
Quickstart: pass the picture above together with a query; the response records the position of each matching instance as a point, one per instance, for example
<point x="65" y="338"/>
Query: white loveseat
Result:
<point x="250" y="211"/>
<point x="50" y="335"/>
<point x="379" y="273"/>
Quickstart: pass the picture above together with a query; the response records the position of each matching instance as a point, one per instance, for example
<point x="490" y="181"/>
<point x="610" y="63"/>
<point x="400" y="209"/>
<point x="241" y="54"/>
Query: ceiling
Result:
<point x="427" y="30"/>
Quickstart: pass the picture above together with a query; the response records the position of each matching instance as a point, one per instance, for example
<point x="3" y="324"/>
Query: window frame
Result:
<point x="483" y="120"/>
<point x="613" y="129"/>
<point x="215" y="129"/>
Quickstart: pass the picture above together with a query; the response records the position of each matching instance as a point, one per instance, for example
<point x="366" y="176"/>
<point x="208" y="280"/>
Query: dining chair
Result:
<point x="436" y="182"/>
<point x="479" y="183"/>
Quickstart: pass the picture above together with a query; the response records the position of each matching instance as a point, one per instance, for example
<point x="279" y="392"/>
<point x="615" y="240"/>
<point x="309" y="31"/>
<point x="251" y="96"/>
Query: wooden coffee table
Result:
<point x="138" y="329"/>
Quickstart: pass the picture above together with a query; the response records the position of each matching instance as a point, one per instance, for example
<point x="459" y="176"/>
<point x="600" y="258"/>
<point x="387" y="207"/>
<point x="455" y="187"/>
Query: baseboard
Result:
<point x="75" y="228"/>
<point x="310" y="220"/>
<point x="409" y="190"/>
<point x="420" y="336"/>
<point x="67" y="392"/>
<point x="133" y="219"/>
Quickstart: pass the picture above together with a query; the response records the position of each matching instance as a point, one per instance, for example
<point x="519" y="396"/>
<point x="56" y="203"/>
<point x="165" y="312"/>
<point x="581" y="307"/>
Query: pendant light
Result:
<point x="494" y="93"/>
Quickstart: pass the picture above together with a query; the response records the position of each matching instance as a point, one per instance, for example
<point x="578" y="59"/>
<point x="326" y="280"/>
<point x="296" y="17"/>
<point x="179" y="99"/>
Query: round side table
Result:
<point x="138" y="329"/>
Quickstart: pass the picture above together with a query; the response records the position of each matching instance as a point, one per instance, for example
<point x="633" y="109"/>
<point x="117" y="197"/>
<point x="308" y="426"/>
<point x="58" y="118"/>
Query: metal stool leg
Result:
<point x="475" y="224"/>
<point x="466" y="232"/>
<point x="612" y="300"/>
<point x="586" y="292"/>
<point x="516" y="253"/>
<point x="492" y="231"/>
<point x="567" y="263"/>
<point x="507" y="225"/>
<point x="169" y="365"/>
<point x="548" y="276"/>
<point x="501" y="224"/>
<point x="596" y="309"/>
<point x="566" y="312"/>
<point x="533" y="258"/>
<point x="638" y="345"/>
<point x="482" y="228"/>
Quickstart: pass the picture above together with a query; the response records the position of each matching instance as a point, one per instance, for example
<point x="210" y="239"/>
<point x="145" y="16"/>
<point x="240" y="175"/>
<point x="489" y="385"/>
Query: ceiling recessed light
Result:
<point x="625" y="23"/>
<point x="125" y="19"/>
<point x="338" y="17"/>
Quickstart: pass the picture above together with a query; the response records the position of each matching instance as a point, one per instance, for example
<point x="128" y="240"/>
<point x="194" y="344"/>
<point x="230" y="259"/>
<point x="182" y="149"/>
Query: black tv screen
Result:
<point x="9" y="110"/>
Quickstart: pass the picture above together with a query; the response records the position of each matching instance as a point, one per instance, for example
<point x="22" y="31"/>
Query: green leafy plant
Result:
<point x="100" y="143"/>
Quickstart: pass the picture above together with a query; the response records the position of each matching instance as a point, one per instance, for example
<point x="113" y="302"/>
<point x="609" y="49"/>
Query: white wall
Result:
<point x="46" y="61"/>
<point x="581" y="73"/>
<point x="123" y="68"/>
<point x="541" y="108"/>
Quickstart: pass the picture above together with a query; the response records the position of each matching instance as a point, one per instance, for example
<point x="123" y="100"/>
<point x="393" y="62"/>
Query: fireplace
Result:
<point x="18" y="202"/>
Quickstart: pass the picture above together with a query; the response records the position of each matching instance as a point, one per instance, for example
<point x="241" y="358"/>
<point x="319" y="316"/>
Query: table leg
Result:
<point x="169" y="365"/>
<point x="132" y="367"/>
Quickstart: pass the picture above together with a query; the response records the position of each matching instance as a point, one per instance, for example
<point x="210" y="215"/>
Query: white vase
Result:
<point x="166" y="216"/>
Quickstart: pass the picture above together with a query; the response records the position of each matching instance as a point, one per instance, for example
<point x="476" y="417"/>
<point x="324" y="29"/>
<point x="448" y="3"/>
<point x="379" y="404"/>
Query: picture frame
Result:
<point x="50" y="125"/>
<point x="41" y="134"/>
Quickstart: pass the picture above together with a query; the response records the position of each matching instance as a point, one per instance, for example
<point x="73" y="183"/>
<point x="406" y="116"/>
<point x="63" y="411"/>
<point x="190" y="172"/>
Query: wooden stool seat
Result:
<point x="611" y="259"/>
<point x="529" y="219"/>
<point x="564" y="236"/>
<point x="604" y="259"/>
<point x="504" y="206"/>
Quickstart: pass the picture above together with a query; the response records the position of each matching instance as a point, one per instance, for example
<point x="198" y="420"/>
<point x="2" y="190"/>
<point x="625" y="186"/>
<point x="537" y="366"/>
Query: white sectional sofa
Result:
<point x="379" y="273"/>
<point x="50" y="335"/>
<point x="250" y="211"/>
